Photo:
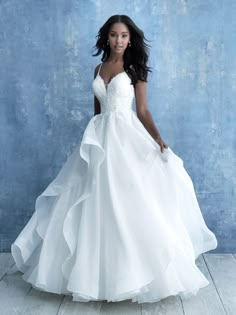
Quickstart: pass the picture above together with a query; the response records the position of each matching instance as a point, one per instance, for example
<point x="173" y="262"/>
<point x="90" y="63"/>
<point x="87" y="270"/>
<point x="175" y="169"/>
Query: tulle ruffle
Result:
<point x="120" y="221"/>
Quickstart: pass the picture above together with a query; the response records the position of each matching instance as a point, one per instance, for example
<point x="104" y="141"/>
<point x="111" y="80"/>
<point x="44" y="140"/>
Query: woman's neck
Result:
<point x="114" y="58"/>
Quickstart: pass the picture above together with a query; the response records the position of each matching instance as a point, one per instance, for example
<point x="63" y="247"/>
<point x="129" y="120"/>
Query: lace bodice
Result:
<point x="117" y="95"/>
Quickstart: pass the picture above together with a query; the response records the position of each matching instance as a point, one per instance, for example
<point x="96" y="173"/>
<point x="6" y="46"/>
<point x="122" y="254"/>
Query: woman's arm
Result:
<point x="97" y="108"/>
<point x="144" y="114"/>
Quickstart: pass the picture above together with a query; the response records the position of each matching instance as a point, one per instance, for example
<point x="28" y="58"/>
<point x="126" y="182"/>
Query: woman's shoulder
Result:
<point x="96" y="69"/>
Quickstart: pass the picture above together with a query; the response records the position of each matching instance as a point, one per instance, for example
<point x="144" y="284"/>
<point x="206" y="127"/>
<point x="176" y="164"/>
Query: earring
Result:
<point x="108" y="42"/>
<point x="129" y="44"/>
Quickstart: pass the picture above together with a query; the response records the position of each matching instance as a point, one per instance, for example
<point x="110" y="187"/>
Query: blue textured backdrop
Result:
<point x="46" y="96"/>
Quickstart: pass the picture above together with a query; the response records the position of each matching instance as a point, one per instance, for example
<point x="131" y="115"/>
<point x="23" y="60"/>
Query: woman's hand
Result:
<point x="161" y="143"/>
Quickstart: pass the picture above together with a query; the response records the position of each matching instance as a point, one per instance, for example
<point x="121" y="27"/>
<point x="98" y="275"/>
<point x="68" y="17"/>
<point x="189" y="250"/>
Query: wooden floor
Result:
<point x="218" y="298"/>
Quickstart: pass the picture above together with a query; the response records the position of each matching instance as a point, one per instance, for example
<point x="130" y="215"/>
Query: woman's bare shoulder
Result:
<point x="96" y="69"/>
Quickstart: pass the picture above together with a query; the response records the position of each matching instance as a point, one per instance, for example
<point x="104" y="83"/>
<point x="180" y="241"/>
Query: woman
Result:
<point x="121" y="219"/>
<point x="119" y="58"/>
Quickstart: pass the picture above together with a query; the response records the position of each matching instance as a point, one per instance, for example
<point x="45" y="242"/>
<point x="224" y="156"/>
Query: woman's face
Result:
<point x="119" y="37"/>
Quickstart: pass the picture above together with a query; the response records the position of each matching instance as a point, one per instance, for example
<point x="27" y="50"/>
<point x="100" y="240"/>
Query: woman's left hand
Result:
<point x="161" y="143"/>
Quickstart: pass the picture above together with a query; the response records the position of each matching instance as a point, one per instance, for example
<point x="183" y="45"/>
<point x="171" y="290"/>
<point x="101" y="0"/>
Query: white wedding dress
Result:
<point x="121" y="219"/>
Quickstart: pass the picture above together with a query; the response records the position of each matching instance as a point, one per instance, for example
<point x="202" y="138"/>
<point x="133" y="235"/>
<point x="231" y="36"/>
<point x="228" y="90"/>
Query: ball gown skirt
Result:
<point x="121" y="219"/>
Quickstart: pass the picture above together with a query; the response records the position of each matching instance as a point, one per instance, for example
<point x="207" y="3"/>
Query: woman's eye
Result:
<point x="114" y="35"/>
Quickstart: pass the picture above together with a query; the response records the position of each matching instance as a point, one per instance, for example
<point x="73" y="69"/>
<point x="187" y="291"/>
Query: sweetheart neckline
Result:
<point x="106" y="85"/>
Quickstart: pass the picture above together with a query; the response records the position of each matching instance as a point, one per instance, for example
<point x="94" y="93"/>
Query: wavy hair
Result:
<point x="135" y="57"/>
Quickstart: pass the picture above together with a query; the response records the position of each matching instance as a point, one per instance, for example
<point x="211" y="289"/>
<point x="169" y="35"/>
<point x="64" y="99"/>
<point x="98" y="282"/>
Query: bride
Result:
<point x="121" y="219"/>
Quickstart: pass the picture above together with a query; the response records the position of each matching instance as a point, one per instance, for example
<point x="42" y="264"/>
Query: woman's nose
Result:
<point x="118" y="40"/>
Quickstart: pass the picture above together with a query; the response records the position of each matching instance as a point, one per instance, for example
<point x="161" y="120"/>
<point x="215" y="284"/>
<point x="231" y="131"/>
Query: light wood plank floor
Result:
<point x="218" y="298"/>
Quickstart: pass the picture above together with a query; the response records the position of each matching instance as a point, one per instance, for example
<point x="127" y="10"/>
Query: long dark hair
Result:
<point x="135" y="57"/>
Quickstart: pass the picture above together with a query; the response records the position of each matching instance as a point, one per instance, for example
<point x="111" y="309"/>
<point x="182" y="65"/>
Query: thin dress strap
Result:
<point x="99" y="68"/>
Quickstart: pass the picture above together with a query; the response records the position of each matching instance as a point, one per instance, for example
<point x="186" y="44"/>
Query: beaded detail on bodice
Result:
<point x="117" y="95"/>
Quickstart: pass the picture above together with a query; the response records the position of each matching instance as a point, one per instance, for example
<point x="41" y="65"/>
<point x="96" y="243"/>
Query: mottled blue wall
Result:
<point x="46" y="98"/>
